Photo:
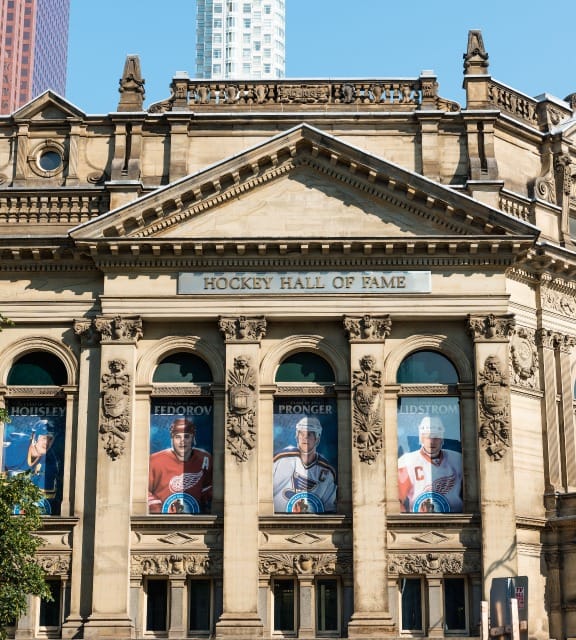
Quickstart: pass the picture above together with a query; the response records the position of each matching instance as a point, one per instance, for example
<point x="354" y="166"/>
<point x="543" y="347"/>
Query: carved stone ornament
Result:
<point x="494" y="407"/>
<point x="367" y="328"/>
<point x="490" y="327"/>
<point x="437" y="563"/>
<point x="290" y="564"/>
<point x="524" y="358"/>
<point x="241" y="328"/>
<point x="241" y="415"/>
<point x="54" y="565"/>
<point x="559" y="302"/>
<point x="126" y="328"/>
<point x="87" y="332"/>
<point x="174" y="564"/>
<point x="545" y="184"/>
<point x="115" y="412"/>
<point x="366" y="414"/>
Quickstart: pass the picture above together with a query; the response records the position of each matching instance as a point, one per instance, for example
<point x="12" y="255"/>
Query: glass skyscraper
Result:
<point x="240" y="39"/>
<point x="33" y="49"/>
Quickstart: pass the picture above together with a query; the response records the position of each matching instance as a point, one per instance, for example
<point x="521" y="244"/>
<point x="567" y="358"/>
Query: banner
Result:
<point x="429" y="455"/>
<point x="180" y="468"/>
<point x="34" y="441"/>
<point x="305" y="455"/>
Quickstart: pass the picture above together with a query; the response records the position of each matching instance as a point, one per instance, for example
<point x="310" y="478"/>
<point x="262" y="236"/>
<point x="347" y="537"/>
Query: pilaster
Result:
<point x="240" y="617"/>
<point x="110" y="617"/>
<point x="371" y="617"/>
<point x="564" y="345"/>
<point x="497" y="504"/>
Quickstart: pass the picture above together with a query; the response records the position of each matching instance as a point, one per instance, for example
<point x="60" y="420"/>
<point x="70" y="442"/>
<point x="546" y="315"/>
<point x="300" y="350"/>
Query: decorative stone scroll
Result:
<point x="491" y="327"/>
<point x="240" y="414"/>
<point x="524" y="358"/>
<point x="366" y="414"/>
<point x="242" y="328"/>
<point x="54" y="565"/>
<point x="87" y="332"/>
<point x="290" y="564"/>
<point x="436" y="563"/>
<point x="367" y="328"/>
<point x="115" y="413"/>
<point x="174" y="564"/>
<point x="494" y="406"/>
<point x="125" y="328"/>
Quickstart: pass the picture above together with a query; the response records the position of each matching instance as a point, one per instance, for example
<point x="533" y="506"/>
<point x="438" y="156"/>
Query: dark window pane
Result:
<point x="38" y="368"/>
<point x="327" y="605"/>
<point x="50" y="611"/>
<point x="156" y="605"/>
<point x="411" y="604"/>
<point x="200" y="605"/>
<point x="454" y="604"/>
<point x="182" y="367"/>
<point x="427" y="366"/>
<point x="284" y="605"/>
<point x="304" y="367"/>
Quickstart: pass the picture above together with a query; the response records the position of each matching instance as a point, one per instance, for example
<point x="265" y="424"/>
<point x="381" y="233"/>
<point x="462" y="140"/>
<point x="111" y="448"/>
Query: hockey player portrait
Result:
<point x="430" y="478"/>
<point x="180" y="476"/>
<point x="303" y="480"/>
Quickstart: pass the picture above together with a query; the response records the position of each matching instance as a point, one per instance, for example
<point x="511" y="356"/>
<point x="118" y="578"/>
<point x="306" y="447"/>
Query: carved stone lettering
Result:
<point x="494" y="407"/>
<point x="115" y="409"/>
<point x="366" y="415"/>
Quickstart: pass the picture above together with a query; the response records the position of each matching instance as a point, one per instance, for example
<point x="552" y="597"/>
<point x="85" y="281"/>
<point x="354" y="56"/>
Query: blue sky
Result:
<point x="531" y="49"/>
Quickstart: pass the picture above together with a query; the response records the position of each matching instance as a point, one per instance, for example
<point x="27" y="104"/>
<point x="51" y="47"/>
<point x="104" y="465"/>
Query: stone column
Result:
<point x="240" y="617"/>
<point x="435" y="606"/>
<point x="554" y="592"/>
<point x="84" y="476"/>
<point x="371" y="615"/>
<point x="496" y="466"/>
<point x="177" y="622"/>
<point x="110" y="617"/>
<point x="306" y="596"/>
<point x="564" y="345"/>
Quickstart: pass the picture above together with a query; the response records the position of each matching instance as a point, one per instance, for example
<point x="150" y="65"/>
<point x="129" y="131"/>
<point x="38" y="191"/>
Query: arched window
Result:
<point x="429" y="437"/>
<point x="181" y="436"/>
<point x="35" y="435"/>
<point x="305" y="436"/>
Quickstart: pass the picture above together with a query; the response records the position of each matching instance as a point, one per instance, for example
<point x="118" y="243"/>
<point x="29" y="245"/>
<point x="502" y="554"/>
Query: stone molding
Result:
<point x="55" y="564"/>
<point x="119" y="328"/>
<point x="524" y="361"/>
<point x="550" y="339"/>
<point x="367" y="423"/>
<point x="174" y="564"/>
<point x="240" y="410"/>
<point x="562" y="302"/>
<point x="115" y="408"/>
<point x="305" y="564"/>
<point x="494" y="408"/>
<point x="433" y="563"/>
<point x="367" y="328"/>
<point x="242" y="328"/>
<point x="491" y="327"/>
<point x="311" y="390"/>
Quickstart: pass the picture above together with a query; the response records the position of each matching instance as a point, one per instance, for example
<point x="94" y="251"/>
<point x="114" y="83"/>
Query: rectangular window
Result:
<point x="247" y="23"/>
<point x="246" y="8"/>
<point x="217" y="23"/>
<point x="157" y="605"/>
<point x="199" y="619"/>
<point x="411" y="604"/>
<point x="284" y="606"/>
<point x="51" y="612"/>
<point x="327" y="606"/>
<point x="455" y="605"/>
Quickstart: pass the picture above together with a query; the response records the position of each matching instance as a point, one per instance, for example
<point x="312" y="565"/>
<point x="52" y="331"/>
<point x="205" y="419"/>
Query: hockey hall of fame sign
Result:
<point x="305" y="471"/>
<point x="429" y="455"/>
<point x="180" y="467"/>
<point x="34" y="441"/>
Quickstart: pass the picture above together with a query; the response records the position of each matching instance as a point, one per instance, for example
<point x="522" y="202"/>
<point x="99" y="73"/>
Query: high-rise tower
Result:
<point x="240" y="39"/>
<point x="33" y="49"/>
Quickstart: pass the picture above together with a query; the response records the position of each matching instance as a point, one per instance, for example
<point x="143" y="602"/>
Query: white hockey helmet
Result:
<point x="309" y="423"/>
<point x="431" y="426"/>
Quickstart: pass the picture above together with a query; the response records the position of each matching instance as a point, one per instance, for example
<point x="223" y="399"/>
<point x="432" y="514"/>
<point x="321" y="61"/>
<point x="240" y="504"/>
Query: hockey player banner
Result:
<point x="305" y="455"/>
<point x="180" y="469"/>
<point x="429" y="455"/>
<point x="34" y="441"/>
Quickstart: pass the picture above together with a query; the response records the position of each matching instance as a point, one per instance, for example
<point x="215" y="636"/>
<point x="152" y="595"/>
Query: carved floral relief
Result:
<point x="524" y="358"/>
<point x="115" y="408"/>
<point x="366" y="413"/>
<point x="494" y="408"/>
<point x="241" y="414"/>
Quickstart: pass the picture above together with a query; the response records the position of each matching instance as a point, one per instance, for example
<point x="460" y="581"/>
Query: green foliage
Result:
<point x="20" y="576"/>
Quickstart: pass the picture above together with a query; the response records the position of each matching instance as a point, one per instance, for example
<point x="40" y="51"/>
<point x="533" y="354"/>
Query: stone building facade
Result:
<point x="202" y="290"/>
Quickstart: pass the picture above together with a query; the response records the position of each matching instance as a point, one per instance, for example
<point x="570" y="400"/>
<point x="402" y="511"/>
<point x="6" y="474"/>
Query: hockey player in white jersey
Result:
<point x="430" y="479"/>
<point x="304" y="481"/>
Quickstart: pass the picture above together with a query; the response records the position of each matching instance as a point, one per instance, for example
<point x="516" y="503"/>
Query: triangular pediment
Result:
<point x="302" y="185"/>
<point x="48" y="106"/>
